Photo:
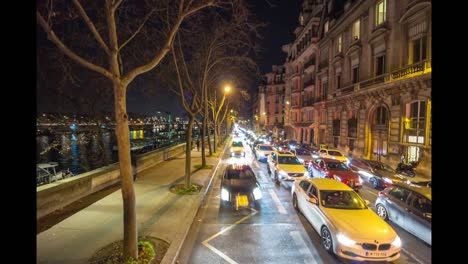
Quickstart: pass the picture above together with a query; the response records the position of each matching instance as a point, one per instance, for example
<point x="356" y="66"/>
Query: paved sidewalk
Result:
<point x="160" y="214"/>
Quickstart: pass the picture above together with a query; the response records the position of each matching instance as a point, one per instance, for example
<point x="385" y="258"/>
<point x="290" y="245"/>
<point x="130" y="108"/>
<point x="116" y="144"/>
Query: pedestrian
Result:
<point x="198" y="144"/>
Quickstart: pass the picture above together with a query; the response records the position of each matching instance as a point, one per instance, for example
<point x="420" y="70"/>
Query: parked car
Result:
<point x="376" y="173"/>
<point x="239" y="187"/>
<point x="263" y="150"/>
<point x="345" y="223"/>
<point x="409" y="206"/>
<point x="237" y="149"/>
<point x="285" y="166"/>
<point x="304" y="156"/>
<point x="334" y="169"/>
<point x="333" y="154"/>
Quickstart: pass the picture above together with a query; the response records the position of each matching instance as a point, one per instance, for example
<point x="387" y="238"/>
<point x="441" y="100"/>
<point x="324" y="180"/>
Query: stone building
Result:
<point x="370" y="62"/>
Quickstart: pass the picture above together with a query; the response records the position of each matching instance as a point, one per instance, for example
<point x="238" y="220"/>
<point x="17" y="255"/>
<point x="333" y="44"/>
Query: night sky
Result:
<point x="281" y="18"/>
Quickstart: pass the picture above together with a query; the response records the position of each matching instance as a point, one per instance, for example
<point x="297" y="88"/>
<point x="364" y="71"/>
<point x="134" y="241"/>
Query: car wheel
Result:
<point x="327" y="241"/>
<point x="375" y="183"/>
<point x="268" y="169"/>
<point x="382" y="212"/>
<point x="295" y="204"/>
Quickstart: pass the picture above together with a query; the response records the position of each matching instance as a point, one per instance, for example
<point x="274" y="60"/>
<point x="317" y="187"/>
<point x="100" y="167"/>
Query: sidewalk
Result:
<point x="160" y="214"/>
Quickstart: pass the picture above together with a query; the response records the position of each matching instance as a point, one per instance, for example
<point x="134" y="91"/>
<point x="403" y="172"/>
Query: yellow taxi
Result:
<point x="333" y="154"/>
<point x="347" y="227"/>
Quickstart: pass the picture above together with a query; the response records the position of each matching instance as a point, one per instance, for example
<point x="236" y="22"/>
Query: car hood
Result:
<point x="411" y="179"/>
<point x="292" y="168"/>
<point x="360" y="224"/>
<point x="304" y="157"/>
<point x="237" y="148"/>
<point x="348" y="175"/>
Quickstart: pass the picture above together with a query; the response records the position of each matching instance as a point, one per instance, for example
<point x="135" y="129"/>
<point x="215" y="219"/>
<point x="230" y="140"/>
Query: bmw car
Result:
<point x="346" y="225"/>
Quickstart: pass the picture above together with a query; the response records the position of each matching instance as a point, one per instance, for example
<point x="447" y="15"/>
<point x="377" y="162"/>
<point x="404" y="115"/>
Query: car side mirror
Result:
<point x="367" y="202"/>
<point x="428" y="215"/>
<point x="313" y="200"/>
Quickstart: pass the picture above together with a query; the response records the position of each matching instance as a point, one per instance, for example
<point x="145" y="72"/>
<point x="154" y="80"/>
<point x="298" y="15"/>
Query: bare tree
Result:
<point x="132" y="22"/>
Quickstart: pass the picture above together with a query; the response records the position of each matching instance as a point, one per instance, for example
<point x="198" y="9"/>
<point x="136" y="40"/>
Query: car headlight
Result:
<point x="224" y="195"/>
<point x="388" y="180"/>
<point x="301" y="160"/>
<point x="257" y="193"/>
<point x="408" y="182"/>
<point x="360" y="180"/>
<point x="306" y="174"/>
<point x="282" y="172"/>
<point x="345" y="240"/>
<point x="337" y="178"/>
<point x="397" y="242"/>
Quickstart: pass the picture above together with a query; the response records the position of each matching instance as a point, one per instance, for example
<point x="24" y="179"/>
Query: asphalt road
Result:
<point x="273" y="233"/>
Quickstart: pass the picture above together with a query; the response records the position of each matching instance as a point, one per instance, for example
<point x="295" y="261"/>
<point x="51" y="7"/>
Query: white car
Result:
<point x="262" y="151"/>
<point x="347" y="227"/>
<point x="333" y="154"/>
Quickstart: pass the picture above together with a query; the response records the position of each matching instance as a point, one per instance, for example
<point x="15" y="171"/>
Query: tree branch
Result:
<point x="85" y="63"/>
<point x="91" y="26"/>
<point x="138" y="30"/>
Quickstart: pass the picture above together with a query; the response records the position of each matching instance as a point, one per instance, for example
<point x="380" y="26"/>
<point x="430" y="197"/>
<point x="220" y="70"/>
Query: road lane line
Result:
<point x="215" y="250"/>
<point x="412" y="256"/>
<point x="275" y="198"/>
<point x="303" y="249"/>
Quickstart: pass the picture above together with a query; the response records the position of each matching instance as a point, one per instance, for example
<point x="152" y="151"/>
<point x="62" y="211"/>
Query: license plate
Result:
<point x="375" y="254"/>
<point x="242" y="200"/>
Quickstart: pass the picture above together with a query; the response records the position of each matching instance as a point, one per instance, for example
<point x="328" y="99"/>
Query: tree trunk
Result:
<point x="128" y="193"/>
<point x="214" y="137"/>
<point x="188" y="151"/>
<point x="209" y="138"/>
<point x="203" y="144"/>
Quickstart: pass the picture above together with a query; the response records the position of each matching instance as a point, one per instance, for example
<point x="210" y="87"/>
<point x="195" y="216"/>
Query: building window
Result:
<point x="338" y="80"/>
<point x="355" y="74"/>
<point x="336" y="131"/>
<point x="352" y="132"/>
<point x="323" y="94"/>
<point x="356" y="29"/>
<point x="379" y="65"/>
<point x="381" y="116"/>
<point x="339" y="43"/>
<point x="415" y="123"/>
<point x="419" y="49"/>
<point x="380" y="12"/>
<point x="326" y="27"/>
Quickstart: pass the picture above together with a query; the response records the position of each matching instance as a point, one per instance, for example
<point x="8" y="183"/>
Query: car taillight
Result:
<point x="381" y="193"/>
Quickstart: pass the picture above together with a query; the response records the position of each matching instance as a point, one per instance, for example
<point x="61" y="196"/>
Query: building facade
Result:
<point x="371" y="90"/>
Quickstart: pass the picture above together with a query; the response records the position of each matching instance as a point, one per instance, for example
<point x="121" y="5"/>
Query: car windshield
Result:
<point x="266" y="148"/>
<point x="341" y="200"/>
<point x="335" y="153"/>
<point x="237" y="144"/>
<point x="337" y="166"/>
<point x="302" y="152"/>
<point x="288" y="160"/>
<point x="382" y="167"/>
<point x="239" y="174"/>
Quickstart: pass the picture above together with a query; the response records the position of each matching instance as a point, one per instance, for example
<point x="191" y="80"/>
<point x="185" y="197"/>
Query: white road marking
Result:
<point x="304" y="250"/>
<point x="275" y="198"/>
<point x="262" y="176"/>
<point x="215" y="250"/>
<point x="412" y="256"/>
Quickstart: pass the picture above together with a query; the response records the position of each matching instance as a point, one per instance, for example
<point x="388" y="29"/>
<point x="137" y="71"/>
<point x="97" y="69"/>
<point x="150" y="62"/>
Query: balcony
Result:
<point x="372" y="81"/>
<point x="412" y="70"/>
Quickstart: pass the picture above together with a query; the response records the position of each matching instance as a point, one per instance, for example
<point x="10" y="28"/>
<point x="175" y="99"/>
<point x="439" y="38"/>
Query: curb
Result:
<point x="172" y="253"/>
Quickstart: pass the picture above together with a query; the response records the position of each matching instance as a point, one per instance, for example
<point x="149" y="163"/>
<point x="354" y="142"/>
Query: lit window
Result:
<point x="356" y="29"/>
<point x="340" y="43"/>
<point x="380" y="12"/>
